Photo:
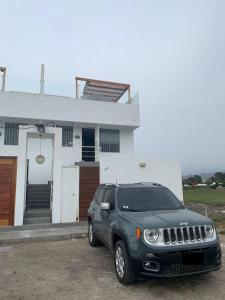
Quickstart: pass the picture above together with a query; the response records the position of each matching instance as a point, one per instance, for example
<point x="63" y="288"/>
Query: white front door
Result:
<point x="70" y="196"/>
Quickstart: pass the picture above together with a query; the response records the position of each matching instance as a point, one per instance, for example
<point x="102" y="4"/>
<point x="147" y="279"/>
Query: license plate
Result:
<point x="193" y="258"/>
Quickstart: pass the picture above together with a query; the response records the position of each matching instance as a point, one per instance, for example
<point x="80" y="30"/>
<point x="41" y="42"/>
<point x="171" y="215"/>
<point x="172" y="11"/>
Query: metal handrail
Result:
<point x="91" y="152"/>
<point x="51" y="194"/>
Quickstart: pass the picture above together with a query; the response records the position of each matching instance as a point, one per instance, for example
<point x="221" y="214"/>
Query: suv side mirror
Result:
<point x="105" y="206"/>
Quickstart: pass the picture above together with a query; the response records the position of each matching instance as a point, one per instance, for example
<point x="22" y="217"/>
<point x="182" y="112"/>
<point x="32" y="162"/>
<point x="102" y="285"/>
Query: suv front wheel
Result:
<point x="123" y="268"/>
<point x="93" y="240"/>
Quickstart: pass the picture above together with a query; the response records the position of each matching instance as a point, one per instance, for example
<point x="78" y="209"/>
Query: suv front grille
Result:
<point x="182" y="235"/>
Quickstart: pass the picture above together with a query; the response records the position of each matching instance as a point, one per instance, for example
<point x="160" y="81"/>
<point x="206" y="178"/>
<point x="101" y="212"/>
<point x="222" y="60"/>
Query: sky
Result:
<point x="171" y="52"/>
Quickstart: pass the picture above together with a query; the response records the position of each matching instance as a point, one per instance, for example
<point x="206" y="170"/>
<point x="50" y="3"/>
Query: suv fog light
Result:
<point x="150" y="255"/>
<point x="151" y="266"/>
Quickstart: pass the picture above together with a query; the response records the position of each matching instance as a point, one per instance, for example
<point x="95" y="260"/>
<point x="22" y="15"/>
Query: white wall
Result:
<point x="126" y="144"/>
<point x="40" y="173"/>
<point x="127" y="170"/>
<point x="70" y="155"/>
<point x="6" y="150"/>
<point x="45" y="107"/>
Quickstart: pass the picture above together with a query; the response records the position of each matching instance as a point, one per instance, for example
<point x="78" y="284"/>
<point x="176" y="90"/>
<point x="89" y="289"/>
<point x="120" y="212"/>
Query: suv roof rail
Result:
<point x="153" y="183"/>
<point x="109" y="184"/>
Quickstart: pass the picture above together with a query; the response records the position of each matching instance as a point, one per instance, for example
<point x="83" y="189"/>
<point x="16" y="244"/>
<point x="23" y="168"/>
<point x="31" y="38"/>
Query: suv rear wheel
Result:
<point x="123" y="268"/>
<point x="93" y="240"/>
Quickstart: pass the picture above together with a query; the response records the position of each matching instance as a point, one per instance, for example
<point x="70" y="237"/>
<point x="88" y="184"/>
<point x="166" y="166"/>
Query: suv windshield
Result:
<point x="147" y="198"/>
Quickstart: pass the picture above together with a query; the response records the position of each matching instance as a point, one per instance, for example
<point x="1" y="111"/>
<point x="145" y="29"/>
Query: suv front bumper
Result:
<point x="178" y="262"/>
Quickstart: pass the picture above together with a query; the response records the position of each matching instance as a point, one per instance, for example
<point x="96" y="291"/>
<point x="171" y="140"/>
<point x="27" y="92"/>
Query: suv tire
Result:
<point x="93" y="240"/>
<point x="122" y="263"/>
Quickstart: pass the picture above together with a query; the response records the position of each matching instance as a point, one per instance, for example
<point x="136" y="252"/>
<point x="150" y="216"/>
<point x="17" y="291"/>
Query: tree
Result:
<point x="193" y="180"/>
<point x="219" y="176"/>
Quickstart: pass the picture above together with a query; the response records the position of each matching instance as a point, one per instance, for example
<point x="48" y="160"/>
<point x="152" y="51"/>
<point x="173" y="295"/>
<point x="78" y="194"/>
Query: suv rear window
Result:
<point x="147" y="198"/>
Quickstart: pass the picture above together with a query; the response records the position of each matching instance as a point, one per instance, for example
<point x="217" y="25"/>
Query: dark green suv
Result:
<point x="151" y="233"/>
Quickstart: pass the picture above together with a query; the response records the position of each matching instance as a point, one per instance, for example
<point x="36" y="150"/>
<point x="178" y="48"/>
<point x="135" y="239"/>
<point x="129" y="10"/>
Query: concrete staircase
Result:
<point x="38" y="204"/>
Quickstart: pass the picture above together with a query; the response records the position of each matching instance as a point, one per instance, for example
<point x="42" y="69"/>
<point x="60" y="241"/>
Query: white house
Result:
<point x="55" y="150"/>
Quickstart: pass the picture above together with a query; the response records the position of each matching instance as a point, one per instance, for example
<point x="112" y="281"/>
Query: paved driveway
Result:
<point x="72" y="270"/>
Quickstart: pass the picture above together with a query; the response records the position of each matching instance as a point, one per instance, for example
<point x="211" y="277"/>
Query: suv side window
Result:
<point x="99" y="197"/>
<point x="96" y="194"/>
<point x="109" y="197"/>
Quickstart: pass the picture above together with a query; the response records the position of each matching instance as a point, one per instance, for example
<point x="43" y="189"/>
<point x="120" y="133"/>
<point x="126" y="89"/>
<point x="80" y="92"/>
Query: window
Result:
<point x="148" y="198"/>
<point x="11" y="134"/>
<point x="100" y="196"/>
<point x="109" y="140"/>
<point x="67" y="136"/>
<point x="109" y="197"/>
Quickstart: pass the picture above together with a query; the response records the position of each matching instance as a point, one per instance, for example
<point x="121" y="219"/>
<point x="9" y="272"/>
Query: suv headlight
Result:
<point x="209" y="230"/>
<point x="151" y="236"/>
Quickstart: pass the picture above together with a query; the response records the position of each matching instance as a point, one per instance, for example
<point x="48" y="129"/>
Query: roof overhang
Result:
<point x="111" y="90"/>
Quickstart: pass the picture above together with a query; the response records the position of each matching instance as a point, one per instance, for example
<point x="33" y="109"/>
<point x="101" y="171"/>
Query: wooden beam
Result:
<point x="102" y="81"/>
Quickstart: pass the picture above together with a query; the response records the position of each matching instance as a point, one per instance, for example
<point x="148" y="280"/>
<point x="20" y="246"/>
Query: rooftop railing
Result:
<point x="82" y="88"/>
<point x="63" y="89"/>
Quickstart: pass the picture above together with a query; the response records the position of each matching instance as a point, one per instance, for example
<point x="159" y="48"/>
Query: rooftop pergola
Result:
<point x="112" y="90"/>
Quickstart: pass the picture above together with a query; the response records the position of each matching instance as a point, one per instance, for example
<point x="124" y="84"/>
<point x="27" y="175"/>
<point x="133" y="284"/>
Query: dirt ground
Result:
<point x="72" y="270"/>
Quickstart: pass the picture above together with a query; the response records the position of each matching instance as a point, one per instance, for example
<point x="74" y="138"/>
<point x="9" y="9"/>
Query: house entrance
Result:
<point x="88" y="144"/>
<point x="39" y="178"/>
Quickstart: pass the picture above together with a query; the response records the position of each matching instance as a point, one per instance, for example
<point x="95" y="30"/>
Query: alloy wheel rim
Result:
<point x="120" y="263"/>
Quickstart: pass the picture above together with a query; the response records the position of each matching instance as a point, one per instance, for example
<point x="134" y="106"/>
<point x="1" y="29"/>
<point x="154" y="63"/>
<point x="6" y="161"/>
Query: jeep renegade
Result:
<point x="151" y="233"/>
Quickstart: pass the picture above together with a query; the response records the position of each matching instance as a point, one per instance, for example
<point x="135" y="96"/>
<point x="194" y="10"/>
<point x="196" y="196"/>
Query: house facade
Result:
<point x="55" y="150"/>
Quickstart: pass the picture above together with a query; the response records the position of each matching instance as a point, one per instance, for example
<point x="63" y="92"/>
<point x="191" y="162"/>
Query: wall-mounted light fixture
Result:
<point x="41" y="128"/>
<point x="77" y="137"/>
<point x="142" y="164"/>
<point x="40" y="159"/>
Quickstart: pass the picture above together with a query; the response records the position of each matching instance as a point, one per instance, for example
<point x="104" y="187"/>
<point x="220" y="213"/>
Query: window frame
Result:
<point x="65" y="143"/>
<point x="14" y="137"/>
<point x="109" y="140"/>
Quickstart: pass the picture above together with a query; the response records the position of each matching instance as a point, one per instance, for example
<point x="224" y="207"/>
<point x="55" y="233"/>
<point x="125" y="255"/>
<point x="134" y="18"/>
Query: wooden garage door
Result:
<point x="7" y="190"/>
<point x="89" y="180"/>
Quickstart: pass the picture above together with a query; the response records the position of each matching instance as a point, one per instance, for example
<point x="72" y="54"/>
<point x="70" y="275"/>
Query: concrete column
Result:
<point x="57" y="173"/>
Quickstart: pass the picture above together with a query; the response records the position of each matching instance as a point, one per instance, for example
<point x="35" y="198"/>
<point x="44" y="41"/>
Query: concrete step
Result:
<point x="35" y="213"/>
<point x="35" y="193"/>
<point x="37" y="205"/>
<point x="42" y="232"/>
<point x="38" y="186"/>
<point x="40" y="220"/>
<point x="38" y="192"/>
<point x="30" y="199"/>
<point x="38" y="200"/>
<point x="41" y="226"/>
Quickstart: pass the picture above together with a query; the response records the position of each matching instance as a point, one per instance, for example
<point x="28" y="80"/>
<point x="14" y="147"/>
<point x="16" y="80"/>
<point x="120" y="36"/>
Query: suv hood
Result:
<point x="167" y="218"/>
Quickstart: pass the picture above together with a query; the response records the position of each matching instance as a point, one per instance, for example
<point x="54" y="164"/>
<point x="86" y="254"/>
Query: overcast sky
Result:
<point x="172" y="52"/>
